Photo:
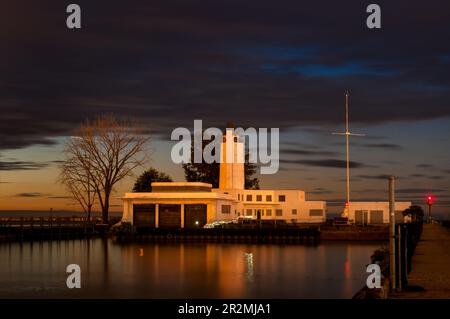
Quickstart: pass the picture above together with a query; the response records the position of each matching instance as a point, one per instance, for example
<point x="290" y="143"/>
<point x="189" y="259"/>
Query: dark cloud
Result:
<point x="424" y="165"/>
<point x="307" y="152"/>
<point x="14" y="165"/>
<point x="59" y="197"/>
<point x="290" y="169"/>
<point x="261" y="62"/>
<point x="386" y="146"/>
<point x="320" y="191"/>
<point x="370" y="191"/>
<point x="332" y="163"/>
<point x="418" y="191"/>
<point x="32" y="194"/>
<point x="436" y="177"/>
<point x="56" y="161"/>
<point x="380" y="176"/>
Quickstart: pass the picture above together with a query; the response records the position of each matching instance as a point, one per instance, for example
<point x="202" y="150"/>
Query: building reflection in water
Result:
<point x="249" y="266"/>
<point x="164" y="270"/>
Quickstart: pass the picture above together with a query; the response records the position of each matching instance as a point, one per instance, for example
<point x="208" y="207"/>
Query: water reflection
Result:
<point x="111" y="270"/>
<point x="249" y="264"/>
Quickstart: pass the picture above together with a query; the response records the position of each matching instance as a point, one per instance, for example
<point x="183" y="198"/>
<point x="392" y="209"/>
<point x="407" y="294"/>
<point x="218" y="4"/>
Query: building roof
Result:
<point x="180" y="187"/>
<point x="181" y="184"/>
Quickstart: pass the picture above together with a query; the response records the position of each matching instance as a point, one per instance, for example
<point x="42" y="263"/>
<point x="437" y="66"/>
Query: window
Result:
<point x="294" y="212"/>
<point x="226" y="209"/>
<point x="239" y="196"/>
<point x="281" y="198"/>
<point x="248" y="212"/>
<point x="279" y="212"/>
<point x="268" y="212"/>
<point x="268" y="198"/>
<point x="249" y="198"/>
<point x="259" y="198"/>
<point x="316" y="212"/>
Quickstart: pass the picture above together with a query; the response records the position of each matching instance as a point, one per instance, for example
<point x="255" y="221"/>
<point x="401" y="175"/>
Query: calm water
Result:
<point x="111" y="270"/>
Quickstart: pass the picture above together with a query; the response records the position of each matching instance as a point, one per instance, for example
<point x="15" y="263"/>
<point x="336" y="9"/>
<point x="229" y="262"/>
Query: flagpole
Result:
<point x="347" y="134"/>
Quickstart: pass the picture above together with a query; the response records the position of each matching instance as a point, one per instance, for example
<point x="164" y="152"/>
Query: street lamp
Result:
<point x="430" y="199"/>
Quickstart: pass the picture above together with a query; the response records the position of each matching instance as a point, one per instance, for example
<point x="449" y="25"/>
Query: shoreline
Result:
<point x="31" y="229"/>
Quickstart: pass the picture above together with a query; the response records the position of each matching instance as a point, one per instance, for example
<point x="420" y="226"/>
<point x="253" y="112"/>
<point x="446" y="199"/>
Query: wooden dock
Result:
<point x="36" y="228"/>
<point x="229" y="235"/>
<point x="430" y="274"/>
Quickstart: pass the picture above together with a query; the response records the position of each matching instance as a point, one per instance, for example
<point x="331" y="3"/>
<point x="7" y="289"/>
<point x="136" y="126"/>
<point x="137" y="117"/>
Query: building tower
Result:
<point x="232" y="160"/>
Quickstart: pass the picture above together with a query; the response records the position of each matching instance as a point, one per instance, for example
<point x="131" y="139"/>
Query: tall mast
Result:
<point x="347" y="148"/>
<point x="347" y="133"/>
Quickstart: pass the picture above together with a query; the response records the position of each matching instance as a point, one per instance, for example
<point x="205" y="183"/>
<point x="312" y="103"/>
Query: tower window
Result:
<point x="226" y="209"/>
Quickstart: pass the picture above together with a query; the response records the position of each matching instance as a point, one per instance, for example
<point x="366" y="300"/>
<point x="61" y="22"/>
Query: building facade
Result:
<point x="375" y="213"/>
<point x="193" y="204"/>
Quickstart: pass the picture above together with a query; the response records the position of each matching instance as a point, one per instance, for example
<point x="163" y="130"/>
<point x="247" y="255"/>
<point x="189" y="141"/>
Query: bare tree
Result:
<point x="79" y="184"/>
<point x="107" y="150"/>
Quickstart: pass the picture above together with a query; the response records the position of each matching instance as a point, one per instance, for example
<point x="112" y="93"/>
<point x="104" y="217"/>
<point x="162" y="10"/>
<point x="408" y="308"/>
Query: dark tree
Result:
<point x="209" y="173"/>
<point x="415" y="212"/>
<point x="144" y="181"/>
<point x="250" y="170"/>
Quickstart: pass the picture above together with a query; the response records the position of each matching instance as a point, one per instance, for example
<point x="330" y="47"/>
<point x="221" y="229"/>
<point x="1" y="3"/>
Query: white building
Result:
<point x="190" y="205"/>
<point x="363" y="213"/>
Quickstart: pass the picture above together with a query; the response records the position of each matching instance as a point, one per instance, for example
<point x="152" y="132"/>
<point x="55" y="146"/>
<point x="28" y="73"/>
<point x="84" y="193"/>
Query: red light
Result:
<point x="430" y="199"/>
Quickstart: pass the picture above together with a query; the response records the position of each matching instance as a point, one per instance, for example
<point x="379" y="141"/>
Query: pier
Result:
<point x="36" y="228"/>
<point x="430" y="274"/>
<point x="293" y="235"/>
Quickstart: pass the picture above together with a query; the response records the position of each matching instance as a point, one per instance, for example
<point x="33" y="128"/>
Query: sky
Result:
<point x="275" y="64"/>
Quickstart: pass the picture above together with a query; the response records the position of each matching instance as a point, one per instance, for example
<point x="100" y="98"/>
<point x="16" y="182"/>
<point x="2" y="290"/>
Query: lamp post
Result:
<point x="392" y="237"/>
<point x="430" y="203"/>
